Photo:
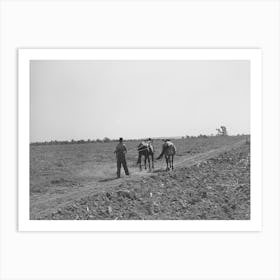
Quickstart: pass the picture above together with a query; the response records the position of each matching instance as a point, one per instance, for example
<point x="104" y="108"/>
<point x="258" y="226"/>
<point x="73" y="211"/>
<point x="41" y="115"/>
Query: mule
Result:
<point x="146" y="150"/>
<point x="169" y="151"/>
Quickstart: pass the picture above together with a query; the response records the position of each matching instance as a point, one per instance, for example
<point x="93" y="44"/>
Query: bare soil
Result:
<point x="209" y="182"/>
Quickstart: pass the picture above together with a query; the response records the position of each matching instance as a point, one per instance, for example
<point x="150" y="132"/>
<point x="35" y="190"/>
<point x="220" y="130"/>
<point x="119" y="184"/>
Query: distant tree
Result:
<point x="222" y="131"/>
<point x="106" y="140"/>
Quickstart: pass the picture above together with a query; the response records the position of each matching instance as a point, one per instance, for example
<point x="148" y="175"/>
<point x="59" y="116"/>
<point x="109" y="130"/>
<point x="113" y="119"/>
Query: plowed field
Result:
<point x="211" y="181"/>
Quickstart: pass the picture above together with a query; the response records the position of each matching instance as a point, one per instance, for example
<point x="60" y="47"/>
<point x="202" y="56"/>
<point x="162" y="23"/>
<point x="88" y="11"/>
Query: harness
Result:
<point x="145" y="146"/>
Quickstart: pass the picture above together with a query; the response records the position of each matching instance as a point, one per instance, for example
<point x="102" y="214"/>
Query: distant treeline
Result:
<point x="107" y="140"/>
<point x="82" y="141"/>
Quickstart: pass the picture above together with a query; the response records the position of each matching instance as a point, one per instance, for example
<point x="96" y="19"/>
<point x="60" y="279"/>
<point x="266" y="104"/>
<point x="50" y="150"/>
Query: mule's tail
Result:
<point x="161" y="155"/>
<point x="164" y="148"/>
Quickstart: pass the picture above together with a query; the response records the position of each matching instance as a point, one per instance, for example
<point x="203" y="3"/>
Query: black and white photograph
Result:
<point x="140" y="139"/>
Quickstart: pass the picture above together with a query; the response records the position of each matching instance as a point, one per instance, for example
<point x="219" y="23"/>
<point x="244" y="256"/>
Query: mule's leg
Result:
<point x="145" y="160"/>
<point x="152" y="155"/>
<point x="166" y="158"/>
<point x="172" y="160"/>
<point x="169" y="162"/>
<point x="149" y="162"/>
<point x="140" y="162"/>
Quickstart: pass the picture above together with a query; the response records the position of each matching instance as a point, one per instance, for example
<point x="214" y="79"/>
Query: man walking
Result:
<point x="120" y="152"/>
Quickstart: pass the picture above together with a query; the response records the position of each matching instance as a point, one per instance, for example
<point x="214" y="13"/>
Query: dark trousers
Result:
<point x="121" y="162"/>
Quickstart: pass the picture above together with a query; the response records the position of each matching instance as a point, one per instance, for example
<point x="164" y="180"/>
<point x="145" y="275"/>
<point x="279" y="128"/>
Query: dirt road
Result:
<point x="44" y="204"/>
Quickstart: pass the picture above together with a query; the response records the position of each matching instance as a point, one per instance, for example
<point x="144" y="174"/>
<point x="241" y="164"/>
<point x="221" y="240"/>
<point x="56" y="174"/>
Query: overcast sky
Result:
<point x="137" y="99"/>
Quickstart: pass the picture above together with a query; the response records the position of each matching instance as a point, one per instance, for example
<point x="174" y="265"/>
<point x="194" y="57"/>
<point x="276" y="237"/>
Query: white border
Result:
<point x="253" y="55"/>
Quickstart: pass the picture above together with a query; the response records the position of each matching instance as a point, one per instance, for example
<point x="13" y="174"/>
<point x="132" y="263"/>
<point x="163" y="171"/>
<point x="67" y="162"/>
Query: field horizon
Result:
<point x="107" y="139"/>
